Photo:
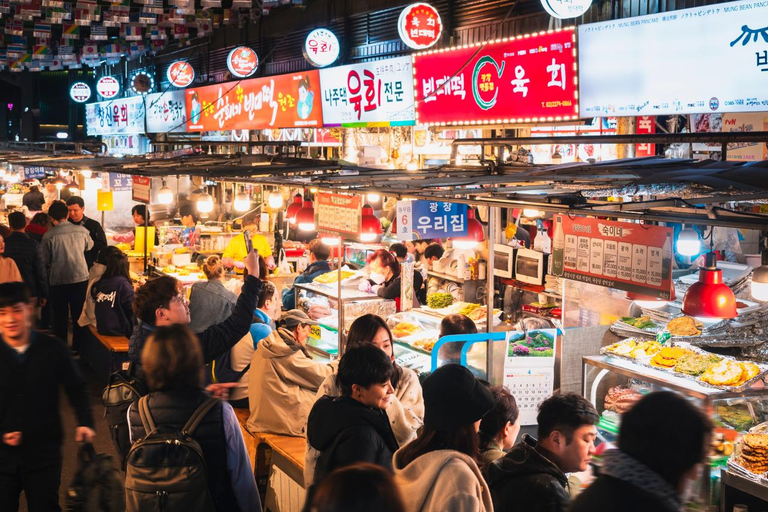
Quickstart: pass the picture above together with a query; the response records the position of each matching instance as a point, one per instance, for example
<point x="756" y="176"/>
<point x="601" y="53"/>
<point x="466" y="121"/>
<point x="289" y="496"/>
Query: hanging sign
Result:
<point x="378" y="93"/>
<point x="181" y="74"/>
<point x="338" y="214"/>
<point x="420" y="26"/>
<point x="631" y="257"/>
<point x="141" y="186"/>
<point x="431" y="219"/>
<point x="746" y="151"/>
<point x="282" y="101"/>
<point x="80" y="92"/>
<point x="523" y="79"/>
<point x="321" y="48"/>
<point x="142" y="83"/>
<point x="126" y="144"/>
<point x="34" y="172"/>
<point x="120" y="116"/>
<point x="120" y="182"/>
<point x="625" y="70"/>
<point x="566" y="9"/>
<point x="242" y="62"/>
<point x="645" y="125"/>
<point x="108" y="87"/>
<point x="166" y="112"/>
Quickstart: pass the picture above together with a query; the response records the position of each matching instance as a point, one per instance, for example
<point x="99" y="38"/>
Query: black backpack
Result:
<point x="123" y="389"/>
<point x="165" y="470"/>
<point x="97" y="485"/>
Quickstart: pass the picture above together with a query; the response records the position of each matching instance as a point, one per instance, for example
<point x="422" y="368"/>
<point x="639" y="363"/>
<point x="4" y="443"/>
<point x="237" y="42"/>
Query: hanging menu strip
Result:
<point x="338" y="214"/>
<point x="622" y="255"/>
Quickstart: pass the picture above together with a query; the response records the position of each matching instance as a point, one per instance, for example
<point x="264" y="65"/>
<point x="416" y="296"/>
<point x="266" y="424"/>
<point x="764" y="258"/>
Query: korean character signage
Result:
<point x="420" y="26"/>
<point x="282" y="101"/>
<point x="631" y="257"/>
<point x="376" y="93"/>
<point x="431" y="219"/>
<point x="141" y="189"/>
<point x="166" y="112"/>
<point x="625" y="70"/>
<point x="645" y="125"/>
<point x="523" y="79"/>
<point x="34" y="172"/>
<point x="338" y="214"/>
<point x="120" y="182"/>
<point x="321" y="48"/>
<point x="242" y="62"/>
<point x="126" y="144"/>
<point x="115" y="117"/>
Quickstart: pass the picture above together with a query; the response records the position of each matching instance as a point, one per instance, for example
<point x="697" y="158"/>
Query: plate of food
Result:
<point x="633" y="349"/>
<point x="424" y="340"/>
<point x="405" y="329"/>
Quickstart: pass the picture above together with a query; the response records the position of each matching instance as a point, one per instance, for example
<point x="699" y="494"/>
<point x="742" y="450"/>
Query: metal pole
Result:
<point x="339" y="302"/>
<point x="493" y="221"/>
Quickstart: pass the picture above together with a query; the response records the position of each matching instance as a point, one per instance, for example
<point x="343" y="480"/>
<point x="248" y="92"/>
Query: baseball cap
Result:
<point x="295" y="317"/>
<point x="453" y="397"/>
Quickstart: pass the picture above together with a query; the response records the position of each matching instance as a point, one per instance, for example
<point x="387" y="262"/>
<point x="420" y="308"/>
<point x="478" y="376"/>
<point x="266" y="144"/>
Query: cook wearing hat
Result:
<point x="295" y="317"/>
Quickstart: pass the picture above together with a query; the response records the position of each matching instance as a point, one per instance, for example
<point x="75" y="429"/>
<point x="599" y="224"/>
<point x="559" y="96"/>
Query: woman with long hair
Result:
<point x="499" y="428"/>
<point x="438" y="472"/>
<point x="112" y="296"/>
<point x="210" y="302"/>
<point x="406" y="408"/>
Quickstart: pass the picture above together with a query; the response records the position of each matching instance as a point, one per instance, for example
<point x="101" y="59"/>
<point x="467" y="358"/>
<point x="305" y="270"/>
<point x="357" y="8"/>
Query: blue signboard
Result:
<point x="120" y="182"/>
<point x="34" y="172"/>
<point x="431" y="219"/>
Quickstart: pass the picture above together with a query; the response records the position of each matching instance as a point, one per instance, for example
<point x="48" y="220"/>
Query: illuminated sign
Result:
<point x="108" y="87"/>
<point x="142" y="83"/>
<point x="242" y="62"/>
<point x="120" y="116"/>
<point x="420" y="26"/>
<point x="80" y="92"/>
<point x="321" y="48"/>
<point x="565" y="9"/>
<point x="181" y="74"/>
<point x="166" y="112"/>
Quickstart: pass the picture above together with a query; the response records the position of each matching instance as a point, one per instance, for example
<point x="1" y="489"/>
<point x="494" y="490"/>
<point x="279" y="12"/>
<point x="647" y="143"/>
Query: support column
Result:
<point x="625" y="126"/>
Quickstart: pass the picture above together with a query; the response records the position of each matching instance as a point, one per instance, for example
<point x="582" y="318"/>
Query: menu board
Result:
<point x="338" y="213"/>
<point x="523" y="79"/>
<point x="631" y="257"/>
<point x="282" y="101"/>
<point x="141" y="186"/>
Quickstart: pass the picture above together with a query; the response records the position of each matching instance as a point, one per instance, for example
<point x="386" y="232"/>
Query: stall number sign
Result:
<point x="321" y="48"/>
<point x="338" y="214"/>
<point x="370" y="94"/>
<point x="631" y="257"/>
<point x="141" y="189"/>
<point x="431" y="219"/>
<point x="420" y="26"/>
<point x="108" y="87"/>
<point x="80" y="92"/>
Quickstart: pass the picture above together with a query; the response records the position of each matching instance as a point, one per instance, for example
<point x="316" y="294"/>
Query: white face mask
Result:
<point x="377" y="278"/>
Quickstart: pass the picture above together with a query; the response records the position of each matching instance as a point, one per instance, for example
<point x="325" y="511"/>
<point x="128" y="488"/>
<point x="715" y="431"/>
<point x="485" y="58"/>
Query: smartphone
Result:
<point x="248" y="242"/>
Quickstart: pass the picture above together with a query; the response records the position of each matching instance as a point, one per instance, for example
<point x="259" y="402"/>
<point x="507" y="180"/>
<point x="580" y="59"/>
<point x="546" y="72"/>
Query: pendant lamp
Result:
<point x="475" y="233"/>
<point x="688" y="242"/>
<point x="649" y="302"/>
<point x="275" y="200"/>
<point x="305" y="217"/>
<point x="709" y="297"/>
<point x="294" y="208"/>
<point x="760" y="280"/>
<point x="242" y="201"/>
<point x="205" y="203"/>
<point x="329" y="240"/>
<point x="370" y="227"/>
<point x="165" y="194"/>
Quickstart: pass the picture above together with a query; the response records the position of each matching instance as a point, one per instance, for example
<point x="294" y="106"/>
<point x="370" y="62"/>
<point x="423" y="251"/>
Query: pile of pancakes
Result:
<point x="730" y="373"/>
<point x="667" y="357"/>
<point x="684" y="326"/>
<point x="754" y="453"/>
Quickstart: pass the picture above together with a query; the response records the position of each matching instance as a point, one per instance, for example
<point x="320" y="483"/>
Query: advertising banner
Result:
<point x="746" y="151"/>
<point x="166" y="112"/>
<point x="376" y="93"/>
<point x="528" y="78"/>
<point x="338" y="214"/>
<point x="126" y="144"/>
<point x="430" y="219"/>
<point x="115" y="117"/>
<point x="35" y="172"/>
<point x="283" y="101"/>
<point x="631" y="257"/>
<point x="663" y="64"/>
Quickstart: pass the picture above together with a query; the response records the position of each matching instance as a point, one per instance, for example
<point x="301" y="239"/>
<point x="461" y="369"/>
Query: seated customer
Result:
<point x="318" y="264"/>
<point x="499" y="428"/>
<point x="385" y="280"/>
<point x="532" y="477"/>
<point x="112" y="296"/>
<point x="88" y="316"/>
<point x="283" y="378"/>
<point x="354" y="427"/>
<point x="209" y="301"/>
<point x="452" y="325"/>
<point x="657" y="460"/>
<point x="173" y="367"/>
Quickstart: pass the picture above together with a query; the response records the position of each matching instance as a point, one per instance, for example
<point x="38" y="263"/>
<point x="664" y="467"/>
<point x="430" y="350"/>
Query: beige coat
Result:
<point x="442" y="481"/>
<point x="283" y="382"/>
<point x="405" y="412"/>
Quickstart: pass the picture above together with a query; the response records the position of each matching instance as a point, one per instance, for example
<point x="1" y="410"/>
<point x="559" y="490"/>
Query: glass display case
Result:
<point x="358" y="254"/>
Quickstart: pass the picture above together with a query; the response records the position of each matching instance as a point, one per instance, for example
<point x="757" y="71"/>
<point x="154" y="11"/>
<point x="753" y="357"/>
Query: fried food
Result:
<point x="622" y="348"/>
<point x="684" y="326"/>
<point x="333" y="276"/>
<point x="750" y="370"/>
<point x="426" y="344"/>
<point x="620" y="399"/>
<point x="643" y="322"/>
<point x="645" y="349"/>
<point x="724" y="373"/>
<point x="404" y="329"/>
<point x="754" y="453"/>
<point x="469" y="308"/>
<point x="696" y="364"/>
<point x="667" y="357"/>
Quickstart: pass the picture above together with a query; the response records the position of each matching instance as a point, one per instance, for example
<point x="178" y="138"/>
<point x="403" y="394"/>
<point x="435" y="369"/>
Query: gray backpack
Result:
<point x="165" y="471"/>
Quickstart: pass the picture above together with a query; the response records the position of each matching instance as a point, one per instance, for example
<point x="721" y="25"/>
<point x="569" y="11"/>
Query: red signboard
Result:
<point x="523" y="79"/>
<point x="645" y="125"/>
<point x="181" y="74"/>
<point x="338" y="214"/>
<point x="242" y="62"/>
<point x="420" y="26"/>
<point x="141" y="188"/>
<point x="632" y="257"/>
<point x="283" y="101"/>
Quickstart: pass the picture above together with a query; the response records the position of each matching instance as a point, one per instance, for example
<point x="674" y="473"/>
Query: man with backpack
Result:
<point x="33" y="368"/>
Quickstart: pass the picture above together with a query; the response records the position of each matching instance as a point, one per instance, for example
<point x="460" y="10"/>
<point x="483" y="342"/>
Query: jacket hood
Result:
<point x="524" y="460"/>
<point x="97" y="270"/>
<point x="331" y="415"/>
<point x="318" y="266"/>
<point x="279" y="343"/>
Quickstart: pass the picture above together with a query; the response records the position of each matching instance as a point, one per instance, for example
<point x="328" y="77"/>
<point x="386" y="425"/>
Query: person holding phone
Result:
<point x="237" y="250"/>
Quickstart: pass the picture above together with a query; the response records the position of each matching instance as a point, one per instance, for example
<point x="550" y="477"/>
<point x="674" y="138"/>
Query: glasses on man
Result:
<point x="180" y="299"/>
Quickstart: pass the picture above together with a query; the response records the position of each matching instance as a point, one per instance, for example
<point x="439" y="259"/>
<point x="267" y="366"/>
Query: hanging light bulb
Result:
<point x="242" y="201"/>
<point x="688" y="242"/>
<point x="165" y="194"/>
<point x="329" y="240"/>
<point x="709" y="297"/>
<point x="294" y="208"/>
<point x="73" y="187"/>
<point x="531" y="213"/>
<point x="370" y="227"/>
<point x="475" y="233"/>
<point x="305" y="217"/>
<point x="760" y="279"/>
<point x="86" y="173"/>
<point x="373" y="197"/>
<point x="275" y="200"/>
<point x="60" y="183"/>
<point x="557" y="158"/>
<point x="205" y="203"/>
<point x="412" y="166"/>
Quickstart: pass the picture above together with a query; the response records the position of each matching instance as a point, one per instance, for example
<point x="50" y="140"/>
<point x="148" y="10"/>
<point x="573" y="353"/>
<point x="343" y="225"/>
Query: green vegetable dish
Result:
<point x="642" y="322"/>
<point x="439" y="300"/>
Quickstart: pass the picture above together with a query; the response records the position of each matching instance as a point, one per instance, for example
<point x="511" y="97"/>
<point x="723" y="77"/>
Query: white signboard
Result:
<point x="166" y="112"/>
<point x="321" y="48"/>
<point x="374" y="93"/>
<point x="706" y="59"/>
<point x="80" y="92"/>
<point x="123" y="116"/>
<point x="108" y="87"/>
<point x="565" y="9"/>
<point x="126" y="144"/>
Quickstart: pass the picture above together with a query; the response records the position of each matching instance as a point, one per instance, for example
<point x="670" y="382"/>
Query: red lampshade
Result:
<point x="370" y="227"/>
<point x="475" y="233"/>
<point x="710" y="297"/>
<point x="294" y="208"/>
<point x="305" y="217"/>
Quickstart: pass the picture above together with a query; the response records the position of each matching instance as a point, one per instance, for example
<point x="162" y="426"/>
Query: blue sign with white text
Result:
<point x="431" y="219"/>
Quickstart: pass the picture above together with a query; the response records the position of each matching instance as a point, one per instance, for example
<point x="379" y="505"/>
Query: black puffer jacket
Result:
<point x="346" y="431"/>
<point x="526" y="481"/>
<point x="608" y="494"/>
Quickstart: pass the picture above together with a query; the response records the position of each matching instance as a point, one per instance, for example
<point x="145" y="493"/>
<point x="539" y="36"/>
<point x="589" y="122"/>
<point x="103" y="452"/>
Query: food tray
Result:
<point x="734" y="467"/>
<point x="605" y="352"/>
<point x="421" y="335"/>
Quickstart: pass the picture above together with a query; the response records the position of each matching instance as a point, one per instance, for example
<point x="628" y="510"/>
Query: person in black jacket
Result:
<point x="531" y="477"/>
<point x="656" y="464"/>
<point x="385" y="279"/>
<point x="162" y="302"/>
<point x="113" y="297"/>
<point x="34" y="199"/>
<point x="28" y="255"/>
<point x="318" y="264"/>
<point x="33" y="368"/>
<point x="76" y="207"/>
<point x="354" y="427"/>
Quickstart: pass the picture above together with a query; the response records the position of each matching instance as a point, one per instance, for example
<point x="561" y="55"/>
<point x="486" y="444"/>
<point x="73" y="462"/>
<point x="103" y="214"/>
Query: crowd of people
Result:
<point x="378" y="438"/>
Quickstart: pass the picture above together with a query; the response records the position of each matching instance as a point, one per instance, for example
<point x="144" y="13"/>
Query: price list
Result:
<point x="338" y="213"/>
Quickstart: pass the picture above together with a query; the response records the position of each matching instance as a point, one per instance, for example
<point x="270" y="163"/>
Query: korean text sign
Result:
<point x="527" y="78"/>
<point x="282" y="101"/>
<point x="166" y="112"/>
<point x="376" y="93"/>
<point x="141" y="189"/>
<point x="625" y="66"/>
<point x="338" y="213"/>
<point x="431" y="219"/>
<point x="115" y="117"/>
<point x="631" y="257"/>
